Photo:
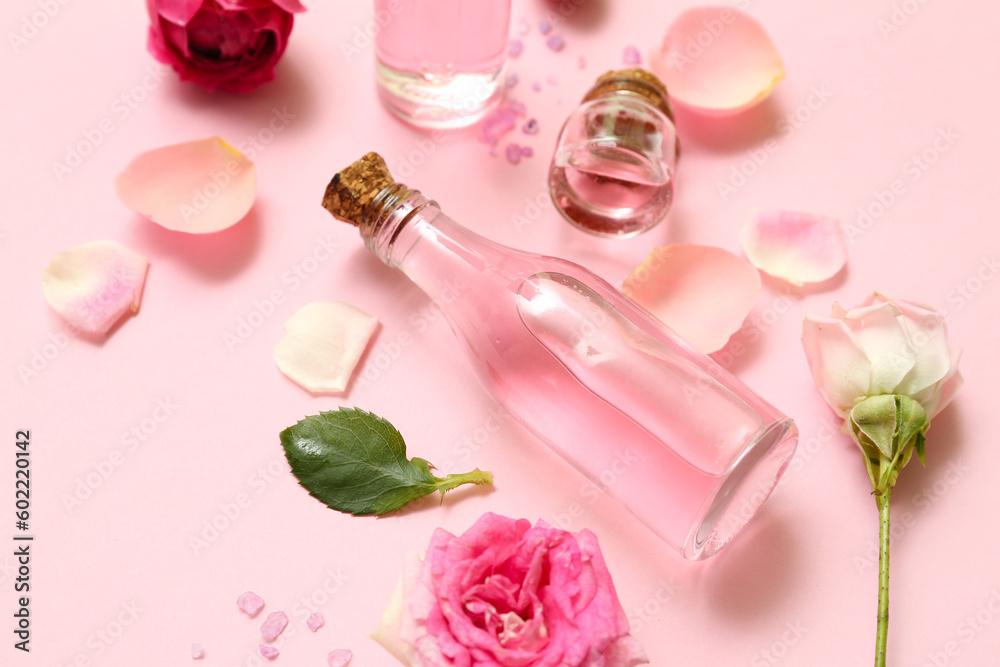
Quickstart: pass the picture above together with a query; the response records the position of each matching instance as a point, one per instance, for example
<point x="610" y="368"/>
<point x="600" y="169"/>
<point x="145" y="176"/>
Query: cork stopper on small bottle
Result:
<point x="635" y="80"/>
<point x="353" y="188"/>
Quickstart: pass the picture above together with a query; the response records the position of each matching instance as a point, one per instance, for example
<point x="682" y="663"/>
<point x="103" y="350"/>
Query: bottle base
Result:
<point x="439" y="103"/>
<point x="743" y="490"/>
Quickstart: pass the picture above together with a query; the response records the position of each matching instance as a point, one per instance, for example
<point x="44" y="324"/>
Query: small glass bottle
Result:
<point x="612" y="172"/>
<point x="659" y="426"/>
<point x="439" y="63"/>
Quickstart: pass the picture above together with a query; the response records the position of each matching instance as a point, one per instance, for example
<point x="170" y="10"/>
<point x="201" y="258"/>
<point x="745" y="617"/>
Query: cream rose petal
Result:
<point x="937" y="397"/>
<point x="880" y="332"/>
<point x="196" y="187"/>
<point x="797" y="247"/>
<point x="927" y="332"/>
<point x="717" y="60"/>
<point x="92" y="285"/>
<point x="393" y="632"/>
<point x="839" y="365"/>
<point x="323" y="343"/>
<point x="701" y="292"/>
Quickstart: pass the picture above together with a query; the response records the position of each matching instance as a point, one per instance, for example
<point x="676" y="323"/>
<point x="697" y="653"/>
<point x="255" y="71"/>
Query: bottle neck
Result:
<point x="388" y="228"/>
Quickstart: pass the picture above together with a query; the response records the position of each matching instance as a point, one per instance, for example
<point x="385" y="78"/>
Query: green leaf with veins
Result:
<point x="355" y="462"/>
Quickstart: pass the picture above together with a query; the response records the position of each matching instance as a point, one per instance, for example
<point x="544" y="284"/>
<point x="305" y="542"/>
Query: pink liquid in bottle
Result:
<point x="440" y="62"/>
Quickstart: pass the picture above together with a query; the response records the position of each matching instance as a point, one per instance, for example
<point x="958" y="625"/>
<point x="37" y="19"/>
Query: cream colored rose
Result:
<point x="883" y="346"/>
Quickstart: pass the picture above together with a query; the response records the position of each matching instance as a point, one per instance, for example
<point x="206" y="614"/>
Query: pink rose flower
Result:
<point x="882" y="346"/>
<point x="506" y="594"/>
<point x="221" y="44"/>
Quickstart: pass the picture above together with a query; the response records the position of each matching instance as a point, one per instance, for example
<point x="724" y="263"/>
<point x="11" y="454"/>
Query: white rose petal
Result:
<point x="322" y="345"/>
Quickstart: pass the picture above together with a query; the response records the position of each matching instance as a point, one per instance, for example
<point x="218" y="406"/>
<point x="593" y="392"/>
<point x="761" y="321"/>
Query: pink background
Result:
<point x="797" y="588"/>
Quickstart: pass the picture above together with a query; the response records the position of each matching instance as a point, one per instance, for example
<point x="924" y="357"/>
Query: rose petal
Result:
<point x="717" y="60"/>
<point x="937" y="397"/>
<point x="196" y="187"/>
<point x="339" y="658"/>
<point x="838" y="364"/>
<point x="926" y="330"/>
<point x="290" y="6"/>
<point x="390" y="627"/>
<point x="878" y="328"/>
<point x="797" y="247"/>
<point x="701" y="292"/>
<point x="273" y="625"/>
<point x="92" y="285"/>
<point x="250" y="603"/>
<point x="268" y="652"/>
<point x="323" y="343"/>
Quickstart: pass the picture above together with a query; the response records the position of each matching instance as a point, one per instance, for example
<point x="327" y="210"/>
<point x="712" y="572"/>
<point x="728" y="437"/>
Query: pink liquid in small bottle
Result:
<point x="612" y="172"/>
<point x="440" y="62"/>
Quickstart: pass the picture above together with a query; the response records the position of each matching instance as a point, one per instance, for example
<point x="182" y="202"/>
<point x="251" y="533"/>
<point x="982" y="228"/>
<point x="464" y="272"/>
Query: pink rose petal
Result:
<point x="315" y="621"/>
<point x="717" y="60"/>
<point x="797" y="247"/>
<point x="92" y="285"/>
<point x="250" y="603"/>
<point x="339" y="657"/>
<point x="196" y="187"/>
<point x="268" y="652"/>
<point x="273" y="626"/>
<point x="701" y="292"/>
<point x="323" y="343"/>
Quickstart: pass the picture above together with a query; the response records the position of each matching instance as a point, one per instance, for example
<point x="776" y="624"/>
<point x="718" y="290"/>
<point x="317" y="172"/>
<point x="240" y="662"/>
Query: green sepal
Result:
<point x="888" y="428"/>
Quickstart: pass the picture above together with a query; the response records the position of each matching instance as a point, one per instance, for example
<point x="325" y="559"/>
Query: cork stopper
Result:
<point x="353" y="188"/>
<point x="635" y="80"/>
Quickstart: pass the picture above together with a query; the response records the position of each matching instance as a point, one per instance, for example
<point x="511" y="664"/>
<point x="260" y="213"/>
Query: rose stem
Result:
<point x="883" y="576"/>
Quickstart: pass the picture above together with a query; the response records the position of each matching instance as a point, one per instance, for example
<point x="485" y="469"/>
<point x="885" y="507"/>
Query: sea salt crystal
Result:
<point x="250" y="603"/>
<point x="523" y="26"/>
<point x="631" y="56"/>
<point x="197" y="651"/>
<point x="497" y="124"/>
<point x="315" y="621"/>
<point x="274" y="625"/>
<point x="531" y="127"/>
<point x="515" y="48"/>
<point x="555" y="42"/>
<point x="512" y="79"/>
<point x="581" y="62"/>
<point x="552" y="80"/>
<point x="536" y="85"/>
<point x="527" y="151"/>
<point x="518" y="107"/>
<point x="268" y="652"/>
<point x="544" y="27"/>
<point x="339" y="658"/>
<point x="513" y="153"/>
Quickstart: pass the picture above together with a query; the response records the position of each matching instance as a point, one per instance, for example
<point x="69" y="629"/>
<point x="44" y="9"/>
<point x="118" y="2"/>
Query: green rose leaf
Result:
<point x="355" y="462"/>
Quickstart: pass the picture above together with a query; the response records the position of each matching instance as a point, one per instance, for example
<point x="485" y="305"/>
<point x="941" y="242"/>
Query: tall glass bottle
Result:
<point x="439" y="63"/>
<point x="662" y="428"/>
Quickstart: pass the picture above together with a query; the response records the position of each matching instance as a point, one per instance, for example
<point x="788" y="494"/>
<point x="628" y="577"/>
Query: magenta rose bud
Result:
<point x="507" y="593"/>
<point x="228" y="45"/>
